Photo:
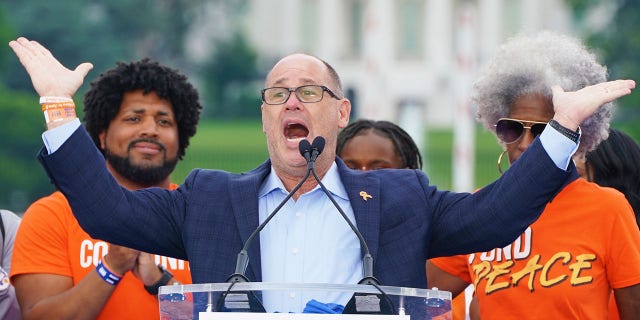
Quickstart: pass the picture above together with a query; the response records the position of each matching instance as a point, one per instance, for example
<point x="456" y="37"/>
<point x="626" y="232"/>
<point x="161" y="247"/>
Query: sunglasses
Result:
<point x="510" y="130"/>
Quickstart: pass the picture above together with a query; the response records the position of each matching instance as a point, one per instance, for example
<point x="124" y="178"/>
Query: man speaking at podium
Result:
<point x="403" y="219"/>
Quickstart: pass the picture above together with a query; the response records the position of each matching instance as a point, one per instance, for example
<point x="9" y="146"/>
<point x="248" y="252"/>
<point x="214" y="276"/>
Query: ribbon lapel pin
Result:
<point x="365" y="195"/>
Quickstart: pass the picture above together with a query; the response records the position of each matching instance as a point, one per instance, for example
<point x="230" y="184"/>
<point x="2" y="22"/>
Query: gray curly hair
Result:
<point x="531" y="64"/>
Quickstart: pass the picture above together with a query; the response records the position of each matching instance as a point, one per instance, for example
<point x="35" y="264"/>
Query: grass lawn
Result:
<point x="230" y="146"/>
<point x="241" y="146"/>
<point x="438" y="156"/>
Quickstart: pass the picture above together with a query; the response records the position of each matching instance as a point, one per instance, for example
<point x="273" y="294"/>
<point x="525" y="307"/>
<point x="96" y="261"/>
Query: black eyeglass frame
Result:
<point x="295" y="90"/>
<point x="523" y="123"/>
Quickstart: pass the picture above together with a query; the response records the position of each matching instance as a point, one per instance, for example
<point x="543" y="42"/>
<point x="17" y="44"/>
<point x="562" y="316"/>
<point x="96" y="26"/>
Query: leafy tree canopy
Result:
<point x="618" y="44"/>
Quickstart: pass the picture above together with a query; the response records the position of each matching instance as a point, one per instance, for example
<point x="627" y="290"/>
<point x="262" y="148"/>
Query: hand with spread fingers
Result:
<point x="48" y="75"/>
<point x="571" y="108"/>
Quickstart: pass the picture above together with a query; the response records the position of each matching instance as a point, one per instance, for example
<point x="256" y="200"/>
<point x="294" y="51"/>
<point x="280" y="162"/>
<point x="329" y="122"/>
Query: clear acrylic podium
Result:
<point x="220" y="301"/>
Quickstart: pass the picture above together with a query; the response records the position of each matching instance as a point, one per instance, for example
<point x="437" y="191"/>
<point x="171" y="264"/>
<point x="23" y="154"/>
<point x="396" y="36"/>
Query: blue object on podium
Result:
<point x="272" y="301"/>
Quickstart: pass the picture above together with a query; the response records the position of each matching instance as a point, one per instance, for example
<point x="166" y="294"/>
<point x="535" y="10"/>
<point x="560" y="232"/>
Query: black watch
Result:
<point x="573" y="135"/>
<point x="164" y="280"/>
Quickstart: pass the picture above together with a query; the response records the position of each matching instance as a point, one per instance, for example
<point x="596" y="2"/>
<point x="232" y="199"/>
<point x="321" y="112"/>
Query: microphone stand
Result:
<point x="311" y="152"/>
<point x="243" y="257"/>
<point x="356" y="303"/>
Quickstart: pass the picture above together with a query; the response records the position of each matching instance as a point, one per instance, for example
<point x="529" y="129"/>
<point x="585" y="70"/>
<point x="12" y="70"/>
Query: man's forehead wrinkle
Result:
<point x="305" y="80"/>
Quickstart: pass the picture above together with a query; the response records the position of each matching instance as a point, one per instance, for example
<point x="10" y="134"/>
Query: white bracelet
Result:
<point x="50" y="99"/>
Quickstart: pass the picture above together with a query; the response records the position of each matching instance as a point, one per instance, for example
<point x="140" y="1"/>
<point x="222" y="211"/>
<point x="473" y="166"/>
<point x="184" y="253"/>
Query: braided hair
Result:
<point x="615" y="163"/>
<point x="405" y="146"/>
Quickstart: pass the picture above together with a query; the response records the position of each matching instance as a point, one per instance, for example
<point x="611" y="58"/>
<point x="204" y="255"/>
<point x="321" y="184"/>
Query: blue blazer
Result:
<point x="210" y="216"/>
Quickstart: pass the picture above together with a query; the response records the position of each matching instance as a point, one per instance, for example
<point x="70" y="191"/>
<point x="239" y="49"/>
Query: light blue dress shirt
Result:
<point x="303" y="238"/>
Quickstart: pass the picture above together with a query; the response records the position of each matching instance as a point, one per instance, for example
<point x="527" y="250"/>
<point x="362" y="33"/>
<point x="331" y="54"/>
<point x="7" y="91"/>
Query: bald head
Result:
<point x="302" y="62"/>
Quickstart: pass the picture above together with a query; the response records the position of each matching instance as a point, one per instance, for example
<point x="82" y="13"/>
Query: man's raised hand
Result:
<point x="571" y="108"/>
<point x="48" y="75"/>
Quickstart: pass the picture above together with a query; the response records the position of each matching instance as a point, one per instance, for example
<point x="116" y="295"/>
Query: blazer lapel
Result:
<point x="244" y="200"/>
<point x="364" y="194"/>
<point x="363" y="191"/>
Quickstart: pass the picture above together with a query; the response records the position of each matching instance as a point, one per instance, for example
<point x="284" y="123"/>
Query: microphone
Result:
<point x="305" y="150"/>
<point x="316" y="148"/>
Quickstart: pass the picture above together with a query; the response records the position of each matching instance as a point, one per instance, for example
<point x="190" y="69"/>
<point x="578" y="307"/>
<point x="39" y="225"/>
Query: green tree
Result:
<point x="21" y="127"/>
<point x="75" y="31"/>
<point x="619" y="46"/>
<point x="232" y="80"/>
<point x="21" y="179"/>
<point x="6" y="33"/>
<point x="102" y="31"/>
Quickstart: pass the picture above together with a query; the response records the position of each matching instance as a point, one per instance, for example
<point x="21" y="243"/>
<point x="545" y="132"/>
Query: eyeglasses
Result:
<point x="307" y="94"/>
<point x="510" y="130"/>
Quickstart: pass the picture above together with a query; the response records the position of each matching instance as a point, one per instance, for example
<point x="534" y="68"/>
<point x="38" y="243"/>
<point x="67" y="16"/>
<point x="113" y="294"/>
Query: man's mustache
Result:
<point x="153" y="141"/>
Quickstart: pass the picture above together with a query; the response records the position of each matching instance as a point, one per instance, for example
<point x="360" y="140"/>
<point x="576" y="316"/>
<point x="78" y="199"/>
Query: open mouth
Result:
<point x="295" y="131"/>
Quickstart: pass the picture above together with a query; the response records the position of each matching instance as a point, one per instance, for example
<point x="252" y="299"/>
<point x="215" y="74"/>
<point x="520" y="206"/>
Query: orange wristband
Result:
<point x="58" y="111"/>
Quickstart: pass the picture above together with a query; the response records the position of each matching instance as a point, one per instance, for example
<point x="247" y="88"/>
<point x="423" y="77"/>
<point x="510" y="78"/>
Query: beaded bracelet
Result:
<point x="106" y="274"/>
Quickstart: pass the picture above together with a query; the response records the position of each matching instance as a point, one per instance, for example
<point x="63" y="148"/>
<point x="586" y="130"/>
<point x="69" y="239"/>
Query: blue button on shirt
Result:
<point x="307" y="241"/>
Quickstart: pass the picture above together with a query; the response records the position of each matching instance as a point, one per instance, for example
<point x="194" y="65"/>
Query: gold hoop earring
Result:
<point x="500" y="161"/>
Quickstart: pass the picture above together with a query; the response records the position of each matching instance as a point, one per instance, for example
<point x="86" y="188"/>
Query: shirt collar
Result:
<point x="331" y="181"/>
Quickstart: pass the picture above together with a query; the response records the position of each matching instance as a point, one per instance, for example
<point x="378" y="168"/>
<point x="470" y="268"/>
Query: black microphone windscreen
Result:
<point x="318" y="144"/>
<point x="305" y="147"/>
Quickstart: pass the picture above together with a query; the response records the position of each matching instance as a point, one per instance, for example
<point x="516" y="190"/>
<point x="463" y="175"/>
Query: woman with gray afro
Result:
<point x="530" y="65"/>
<point x="584" y="247"/>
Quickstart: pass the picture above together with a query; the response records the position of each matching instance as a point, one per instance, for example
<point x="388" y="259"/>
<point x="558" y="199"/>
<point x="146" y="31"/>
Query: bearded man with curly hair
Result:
<point x="141" y="116"/>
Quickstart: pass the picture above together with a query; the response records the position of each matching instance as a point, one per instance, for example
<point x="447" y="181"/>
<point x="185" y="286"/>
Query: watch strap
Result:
<point x="573" y="135"/>
<point x="164" y="280"/>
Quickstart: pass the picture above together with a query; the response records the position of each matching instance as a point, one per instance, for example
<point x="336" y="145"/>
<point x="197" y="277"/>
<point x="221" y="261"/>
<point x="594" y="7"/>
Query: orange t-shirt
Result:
<point x="50" y="240"/>
<point x="459" y="307"/>
<point x="564" y="265"/>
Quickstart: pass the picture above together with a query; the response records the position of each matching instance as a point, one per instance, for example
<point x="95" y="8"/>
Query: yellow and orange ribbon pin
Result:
<point x="365" y="195"/>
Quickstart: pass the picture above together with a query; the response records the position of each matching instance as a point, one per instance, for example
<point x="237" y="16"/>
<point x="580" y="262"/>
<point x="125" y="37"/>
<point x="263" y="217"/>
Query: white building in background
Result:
<point x="412" y="62"/>
<point x="397" y="56"/>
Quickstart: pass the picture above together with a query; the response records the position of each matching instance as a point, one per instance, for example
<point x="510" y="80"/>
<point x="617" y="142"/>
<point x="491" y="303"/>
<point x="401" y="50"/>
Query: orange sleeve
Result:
<point x="454" y="265"/>
<point x="623" y="252"/>
<point x="41" y="241"/>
